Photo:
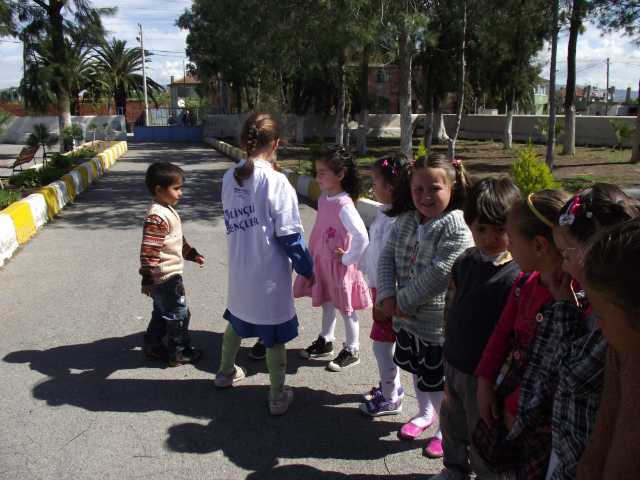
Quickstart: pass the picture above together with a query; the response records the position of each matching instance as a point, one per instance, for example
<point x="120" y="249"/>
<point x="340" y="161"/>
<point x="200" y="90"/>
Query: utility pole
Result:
<point x="144" y="80"/>
<point x="607" y="101"/>
<point x="24" y="75"/>
<point x="551" y="140"/>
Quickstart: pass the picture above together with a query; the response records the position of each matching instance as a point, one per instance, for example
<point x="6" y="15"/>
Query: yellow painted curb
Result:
<point x="314" y="190"/>
<point x="51" y="199"/>
<point x="20" y="213"/>
<point x="71" y="186"/>
<point x="85" y="176"/>
<point x="104" y="164"/>
<point x="293" y="179"/>
<point x="94" y="169"/>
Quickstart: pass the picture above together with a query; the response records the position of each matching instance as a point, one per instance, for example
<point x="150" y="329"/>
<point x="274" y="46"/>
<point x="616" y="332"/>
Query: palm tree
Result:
<point x="119" y="67"/>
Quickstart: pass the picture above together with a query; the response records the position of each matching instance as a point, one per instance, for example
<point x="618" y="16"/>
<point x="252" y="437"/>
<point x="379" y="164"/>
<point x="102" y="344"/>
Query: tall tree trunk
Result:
<point x="64" y="119"/>
<point x="256" y="94"/>
<point x="551" y="141"/>
<point x="345" y="137"/>
<point x="439" y="130"/>
<point x="341" y="102"/>
<point x="424" y="92"/>
<point x="224" y="94"/>
<point x="636" y="139"/>
<point x="238" y="91"/>
<point x="508" y="126"/>
<point x="361" y="146"/>
<point x="575" y="23"/>
<point x="249" y="95"/>
<point x="454" y="138"/>
<point x="404" y="98"/>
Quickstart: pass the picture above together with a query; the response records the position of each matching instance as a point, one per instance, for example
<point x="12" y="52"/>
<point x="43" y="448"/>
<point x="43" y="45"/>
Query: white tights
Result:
<point x="389" y="371"/>
<point x="429" y="404"/>
<point x="351" y="326"/>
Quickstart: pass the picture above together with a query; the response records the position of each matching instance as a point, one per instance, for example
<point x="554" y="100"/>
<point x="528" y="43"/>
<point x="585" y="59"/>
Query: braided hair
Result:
<point x="258" y="132"/>
<point x="339" y="160"/>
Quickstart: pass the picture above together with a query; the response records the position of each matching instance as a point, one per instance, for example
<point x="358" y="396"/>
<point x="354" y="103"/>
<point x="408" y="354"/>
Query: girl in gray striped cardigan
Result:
<point x="414" y="271"/>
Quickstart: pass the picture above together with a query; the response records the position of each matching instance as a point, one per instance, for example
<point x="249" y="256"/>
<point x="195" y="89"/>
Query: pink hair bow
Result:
<point x="386" y="164"/>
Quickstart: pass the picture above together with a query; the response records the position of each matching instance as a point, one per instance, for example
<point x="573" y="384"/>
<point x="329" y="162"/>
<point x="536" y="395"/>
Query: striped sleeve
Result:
<point x="154" y="232"/>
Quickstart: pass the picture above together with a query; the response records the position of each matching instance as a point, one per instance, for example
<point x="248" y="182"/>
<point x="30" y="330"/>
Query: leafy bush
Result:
<point x="314" y="150"/>
<point x="530" y="175"/>
<point x="623" y="131"/>
<point x="27" y="179"/>
<point x="8" y="197"/>
<point x="59" y="160"/>
<point x="543" y="128"/>
<point x="49" y="175"/>
<point x="422" y="150"/>
<point x="86" y="153"/>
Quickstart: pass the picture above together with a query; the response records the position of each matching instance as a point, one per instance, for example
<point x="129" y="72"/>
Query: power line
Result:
<point x="165" y="68"/>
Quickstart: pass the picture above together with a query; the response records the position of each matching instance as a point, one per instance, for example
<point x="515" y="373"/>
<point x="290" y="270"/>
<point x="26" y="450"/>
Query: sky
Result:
<point x="168" y="42"/>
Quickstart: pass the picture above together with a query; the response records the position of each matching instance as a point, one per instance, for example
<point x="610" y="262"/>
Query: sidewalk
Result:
<point x="80" y="401"/>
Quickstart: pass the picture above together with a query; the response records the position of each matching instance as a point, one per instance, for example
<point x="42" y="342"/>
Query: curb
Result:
<point x="24" y="218"/>
<point x="304" y="185"/>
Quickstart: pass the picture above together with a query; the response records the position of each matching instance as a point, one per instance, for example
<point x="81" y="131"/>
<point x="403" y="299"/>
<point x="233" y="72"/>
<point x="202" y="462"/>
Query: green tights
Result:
<point x="276" y="359"/>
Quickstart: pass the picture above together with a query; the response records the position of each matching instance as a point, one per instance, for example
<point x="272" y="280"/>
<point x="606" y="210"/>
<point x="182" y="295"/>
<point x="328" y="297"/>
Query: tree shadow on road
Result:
<point x="295" y="472"/>
<point x="105" y="376"/>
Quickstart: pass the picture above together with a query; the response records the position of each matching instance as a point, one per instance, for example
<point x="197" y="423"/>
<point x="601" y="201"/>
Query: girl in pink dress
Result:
<point x="338" y="240"/>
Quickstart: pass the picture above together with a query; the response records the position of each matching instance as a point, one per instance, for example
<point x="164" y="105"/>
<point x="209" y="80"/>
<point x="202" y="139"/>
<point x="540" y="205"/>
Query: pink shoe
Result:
<point x="411" y="431"/>
<point x="434" y="449"/>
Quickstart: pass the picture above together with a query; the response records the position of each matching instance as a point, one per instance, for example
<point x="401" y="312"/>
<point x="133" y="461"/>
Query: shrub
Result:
<point x="27" y="179"/>
<point x="543" y="128"/>
<point x="623" y="131"/>
<point x="531" y="175"/>
<point x="85" y="153"/>
<point x="422" y="150"/>
<point x="59" y="160"/>
<point x="49" y="175"/>
<point x="8" y="197"/>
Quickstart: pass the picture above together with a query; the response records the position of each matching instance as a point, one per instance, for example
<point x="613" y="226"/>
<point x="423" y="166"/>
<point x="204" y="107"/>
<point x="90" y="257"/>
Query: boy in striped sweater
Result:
<point x="161" y="261"/>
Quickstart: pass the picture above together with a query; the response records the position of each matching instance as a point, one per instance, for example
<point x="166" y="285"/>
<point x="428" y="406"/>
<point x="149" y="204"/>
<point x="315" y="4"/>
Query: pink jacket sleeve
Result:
<point x="499" y="345"/>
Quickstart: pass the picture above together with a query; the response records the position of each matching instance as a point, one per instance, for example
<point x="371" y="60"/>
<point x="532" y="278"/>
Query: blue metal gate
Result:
<point x="173" y="133"/>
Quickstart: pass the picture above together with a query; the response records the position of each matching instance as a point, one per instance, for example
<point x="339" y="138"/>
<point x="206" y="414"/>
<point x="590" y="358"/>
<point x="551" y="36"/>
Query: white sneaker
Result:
<point x="226" y="379"/>
<point x="280" y="404"/>
<point x="447" y="474"/>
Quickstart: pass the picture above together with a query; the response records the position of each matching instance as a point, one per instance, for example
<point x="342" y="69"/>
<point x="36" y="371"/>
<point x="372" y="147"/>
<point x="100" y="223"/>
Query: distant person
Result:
<point x="337" y="243"/>
<point x="186" y="118"/>
<point x="162" y="255"/>
<point x="264" y="239"/>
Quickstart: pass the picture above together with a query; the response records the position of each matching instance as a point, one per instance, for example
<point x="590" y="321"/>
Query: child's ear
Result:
<point x="340" y="176"/>
<point x="159" y="190"/>
<point x="541" y="245"/>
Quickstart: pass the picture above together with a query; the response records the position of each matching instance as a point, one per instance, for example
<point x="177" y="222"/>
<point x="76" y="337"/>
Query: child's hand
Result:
<point x="389" y="305"/>
<point x="400" y="313"/>
<point x="487" y="401"/>
<point x="337" y="254"/>
<point x="560" y="286"/>
<point x="148" y="290"/>
<point x="200" y="260"/>
<point x="311" y="281"/>
<point x="509" y="420"/>
<point x="378" y="315"/>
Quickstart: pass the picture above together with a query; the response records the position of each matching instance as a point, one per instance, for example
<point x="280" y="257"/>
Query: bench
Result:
<point x="26" y="155"/>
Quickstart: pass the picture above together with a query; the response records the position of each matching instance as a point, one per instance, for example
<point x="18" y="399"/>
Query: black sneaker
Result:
<point x="188" y="355"/>
<point x="345" y="359"/>
<point x="159" y="352"/>
<point x="258" y="351"/>
<point x="319" y="348"/>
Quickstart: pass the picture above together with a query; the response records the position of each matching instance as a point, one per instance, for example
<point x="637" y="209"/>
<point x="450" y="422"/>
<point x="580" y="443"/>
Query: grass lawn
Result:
<point x="482" y="158"/>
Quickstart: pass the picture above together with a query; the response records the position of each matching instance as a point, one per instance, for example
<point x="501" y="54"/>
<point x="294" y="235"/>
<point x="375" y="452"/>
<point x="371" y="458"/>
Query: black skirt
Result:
<point x="420" y="358"/>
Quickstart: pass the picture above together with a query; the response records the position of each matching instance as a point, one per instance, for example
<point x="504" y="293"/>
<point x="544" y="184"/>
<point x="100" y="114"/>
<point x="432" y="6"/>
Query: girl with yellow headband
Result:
<point x="530" y="229"/>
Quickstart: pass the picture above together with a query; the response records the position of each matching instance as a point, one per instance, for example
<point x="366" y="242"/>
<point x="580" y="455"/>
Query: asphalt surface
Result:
<point x="79" y="400"/>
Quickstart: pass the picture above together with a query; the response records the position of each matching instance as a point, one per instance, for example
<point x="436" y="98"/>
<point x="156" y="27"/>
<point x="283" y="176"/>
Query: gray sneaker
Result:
<point x="345" y="359"/>
<point x="281" y="403"/>
<point x="228" y="379"/>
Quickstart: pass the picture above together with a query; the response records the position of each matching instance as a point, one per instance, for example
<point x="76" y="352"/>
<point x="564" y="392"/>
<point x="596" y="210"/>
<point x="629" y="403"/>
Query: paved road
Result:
<point x="79" y="401"/>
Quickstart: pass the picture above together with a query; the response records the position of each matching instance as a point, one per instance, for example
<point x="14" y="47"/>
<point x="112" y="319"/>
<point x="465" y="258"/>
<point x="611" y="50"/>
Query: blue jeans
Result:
<point x="170" y="317"/>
